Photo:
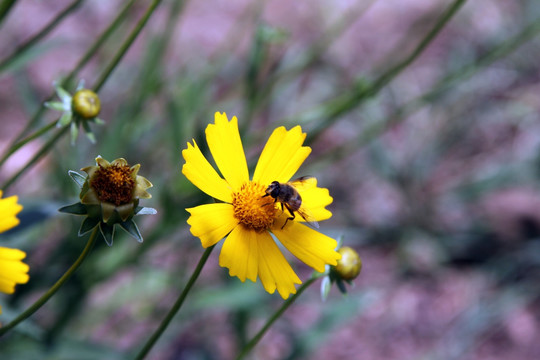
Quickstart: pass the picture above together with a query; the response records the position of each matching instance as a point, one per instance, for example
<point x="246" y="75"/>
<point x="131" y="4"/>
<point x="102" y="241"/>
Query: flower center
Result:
<point x="113" y="184"/>
<point x="252" y="209"/>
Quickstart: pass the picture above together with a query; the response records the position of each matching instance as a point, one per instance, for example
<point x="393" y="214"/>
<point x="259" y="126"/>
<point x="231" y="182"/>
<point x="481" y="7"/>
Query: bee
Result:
<point x="289" y="197"/>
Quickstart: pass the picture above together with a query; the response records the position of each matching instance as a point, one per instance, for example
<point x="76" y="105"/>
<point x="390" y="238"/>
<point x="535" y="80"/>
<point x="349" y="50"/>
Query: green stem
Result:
<point x="32" y="41"/>
<point x="176" y="307"/>
<point x="251" y="344"/>
<point x="126" y="45"/>
<point x="42" y="300"/>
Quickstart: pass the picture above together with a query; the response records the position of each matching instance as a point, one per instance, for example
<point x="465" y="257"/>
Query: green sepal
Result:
<point x="64" y="119"/>
<point x="99" y="121"/>
<point x="78" y="178"/>
<point x="132" y="229"/>
<point x="107" y="231"/>
<point x="54" y="105"/>
<point x="339" y="242"/>
<point x="341" y="286"/>
<point x="140" y="210"/>
<point x="87" y="225"/>
<point x="62" y="94"/>
<point x="74" y="132"/>
<point x="88" y="131"/>
<point x="326" y="285"/>
<point x="75" y="209"/>
<point x="80" y="85"/>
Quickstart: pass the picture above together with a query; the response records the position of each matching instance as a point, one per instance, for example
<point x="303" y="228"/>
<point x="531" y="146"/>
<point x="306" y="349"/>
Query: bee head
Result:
<point x="273" y="189"/>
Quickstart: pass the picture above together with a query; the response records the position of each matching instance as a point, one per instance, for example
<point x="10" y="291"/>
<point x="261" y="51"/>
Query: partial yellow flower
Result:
<point x="12" y="270"/>
<point x="248" y="219"/>
<point x="8" y="212"/>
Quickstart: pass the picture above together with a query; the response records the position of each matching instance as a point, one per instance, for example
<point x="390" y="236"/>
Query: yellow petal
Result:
<point x="274" y="270"/>
<point x="119" y="162"/>
<point x="11" y="254"/>
<point x="308" y="245"/>
<point x="211" y="222"/>
<point x="8" y="212"/>
<point x="315" y="199"/>
<point x="8" y="223"/>
<point x="90" y="170"/>
<point x="226" y="147"/>
<point x="135" y="170"/>
<point x="141" y="193"/>
<point x="199" y="171"/>
<point x="12" y="270"/>
<point x="240" y="254"/>
<point x="6" y="286"/>
<point x="282" y="156"/>
<point x="143" y="182"/>
<point x="102" y="162"/>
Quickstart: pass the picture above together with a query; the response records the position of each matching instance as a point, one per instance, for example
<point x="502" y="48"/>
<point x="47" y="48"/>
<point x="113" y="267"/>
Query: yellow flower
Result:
<point x="12" y="270"/>
<point x="246" y="217"/>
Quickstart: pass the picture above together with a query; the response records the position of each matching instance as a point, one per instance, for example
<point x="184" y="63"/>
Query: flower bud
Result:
<point x="110" y="196"/>
<point x="86" y="104"/>
<point x="350" y="264"/>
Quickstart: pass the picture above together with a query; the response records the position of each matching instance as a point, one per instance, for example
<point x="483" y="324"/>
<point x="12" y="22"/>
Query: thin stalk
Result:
<point x="253" y="342"/>
<point x="40" y="35"/>
<point x="26" y="140"/>
<point x="126" y="45"/>
<point x="362" y="91"/>
<point x="43" y="299"/>
<point x="5" y="7"/>
<point x="176" y="307"/>
<point x="44" y="149"/>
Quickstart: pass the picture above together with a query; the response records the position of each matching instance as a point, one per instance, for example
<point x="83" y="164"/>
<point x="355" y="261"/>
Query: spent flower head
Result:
<point x="78" y="110"/>
<point x="253" y="215"/>
<point x="12" y="270"/>
<point x="110" y="195"/>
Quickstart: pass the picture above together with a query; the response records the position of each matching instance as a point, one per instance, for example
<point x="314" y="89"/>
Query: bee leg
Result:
<point x="290" y="212"/>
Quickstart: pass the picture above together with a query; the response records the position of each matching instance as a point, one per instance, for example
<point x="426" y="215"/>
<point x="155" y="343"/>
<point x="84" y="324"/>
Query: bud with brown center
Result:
<point x="110" y="195"/>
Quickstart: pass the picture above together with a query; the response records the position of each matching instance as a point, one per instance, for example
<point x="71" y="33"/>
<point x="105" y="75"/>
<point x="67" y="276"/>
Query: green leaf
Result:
<point x="75" y="209"/>
<point x="131" y="227"/>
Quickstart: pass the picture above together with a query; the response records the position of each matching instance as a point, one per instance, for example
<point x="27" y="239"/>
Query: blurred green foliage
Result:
<point x="430" y="149"/>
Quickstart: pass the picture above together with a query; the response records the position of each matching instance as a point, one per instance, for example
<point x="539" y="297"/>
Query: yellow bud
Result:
<point x="350" y="264"/>
<point x="86" y="104"/>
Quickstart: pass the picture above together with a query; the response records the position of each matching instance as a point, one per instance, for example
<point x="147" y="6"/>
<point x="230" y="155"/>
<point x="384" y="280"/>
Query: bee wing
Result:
<point x="304" y="183"/>
<point x="306" y="215"/>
